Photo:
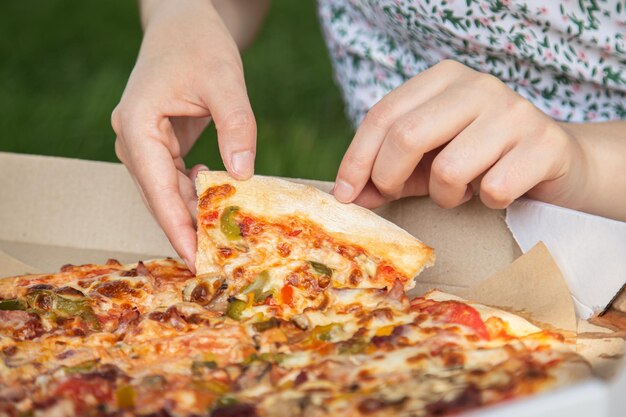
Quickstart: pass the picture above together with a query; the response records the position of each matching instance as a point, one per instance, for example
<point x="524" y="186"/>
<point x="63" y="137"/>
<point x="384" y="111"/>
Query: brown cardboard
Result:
<point x="11" y="266"/>
<point x="532" y="286"/>
<point x="55" y="211"/>
<point x="71" y="210"/>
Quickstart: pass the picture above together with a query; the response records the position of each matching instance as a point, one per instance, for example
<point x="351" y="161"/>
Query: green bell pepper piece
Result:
<point x="321" y="268"/>
<point x="13" y="304"/>
<point x="235" y="309"/>
<point x="228" y="225"/>
<point x="256" y="287"/>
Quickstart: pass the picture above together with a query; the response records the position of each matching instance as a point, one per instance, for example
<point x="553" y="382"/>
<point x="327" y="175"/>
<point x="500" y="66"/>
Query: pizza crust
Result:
<point x="271" y="197"/>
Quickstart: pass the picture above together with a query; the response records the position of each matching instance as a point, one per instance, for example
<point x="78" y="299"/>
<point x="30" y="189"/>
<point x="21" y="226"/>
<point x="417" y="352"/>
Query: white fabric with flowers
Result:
<point x="567" y="57"/>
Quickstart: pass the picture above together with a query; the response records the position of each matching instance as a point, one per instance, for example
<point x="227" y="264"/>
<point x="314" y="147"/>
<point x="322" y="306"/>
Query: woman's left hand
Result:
<point x="450" y="132"/>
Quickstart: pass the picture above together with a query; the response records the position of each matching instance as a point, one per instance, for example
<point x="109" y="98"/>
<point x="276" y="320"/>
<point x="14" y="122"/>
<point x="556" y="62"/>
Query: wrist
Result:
<point x="583" y="167"/>
<point x="151" y="10"/>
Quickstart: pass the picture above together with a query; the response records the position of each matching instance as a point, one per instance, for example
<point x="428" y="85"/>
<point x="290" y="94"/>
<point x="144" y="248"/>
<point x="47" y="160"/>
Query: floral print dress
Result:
<point x="567" y="57"/>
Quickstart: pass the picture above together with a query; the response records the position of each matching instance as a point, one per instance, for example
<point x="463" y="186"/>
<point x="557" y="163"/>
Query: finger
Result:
<point x="192" y="198"/>
<point x="153" y="166"/>
<point x="417" y="183"/>
<point x="228" y="101"/>
<point x="356" y="165"/>
<point x="121" y="153"/>
<point x="187" y="191"/>
<point x="193" y="172"/>
<point x="370" y="197"/>
<point x="519" y="170"/>
<point x="421" y="130"/>
<point x="188" y="129"/>
<point x="470" y="154"/>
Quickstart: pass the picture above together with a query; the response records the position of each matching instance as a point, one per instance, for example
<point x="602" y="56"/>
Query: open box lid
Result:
<point x="55" y="211"/>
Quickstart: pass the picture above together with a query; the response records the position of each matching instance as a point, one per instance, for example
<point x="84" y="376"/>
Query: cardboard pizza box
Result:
<point x="55" y="211"/>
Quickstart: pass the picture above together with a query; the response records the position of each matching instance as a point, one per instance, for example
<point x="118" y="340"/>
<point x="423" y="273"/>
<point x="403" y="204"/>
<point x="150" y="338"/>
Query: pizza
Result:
<point x="292" y="312"/>
<point x="282" y="248"/>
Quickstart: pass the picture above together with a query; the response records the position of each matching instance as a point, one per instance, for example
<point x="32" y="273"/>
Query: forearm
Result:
<point x="604" y="147"/>
<point x="242" y="18"/>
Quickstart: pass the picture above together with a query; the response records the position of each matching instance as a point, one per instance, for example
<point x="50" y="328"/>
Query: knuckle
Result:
<point x="494" y="195"/>
<point x="446" y="170"/>
<point x="484" y="82"/>
<point x="238" y="119"/>
<point x="450" y="64"/>
<point x="402" y="134"/>
<point x="385" y="185"/>
<point x="379" y="116"/>
<point x="521" y="108"/>
<point x="490" y="80"/>
<point x="116" y="120"/>
<point x="119" y="151"/>
<point x="126" y="123"/>
<point x="356" y="162"/>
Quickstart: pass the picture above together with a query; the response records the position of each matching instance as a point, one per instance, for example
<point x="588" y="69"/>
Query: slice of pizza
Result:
<point x="276" y="247"/>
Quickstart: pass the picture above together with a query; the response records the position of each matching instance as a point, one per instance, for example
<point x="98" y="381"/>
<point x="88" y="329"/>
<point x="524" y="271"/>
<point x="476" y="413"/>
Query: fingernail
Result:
<point x="242" y="164"/>
<point x="203" y="168"/>
<point x="343" y="191"/>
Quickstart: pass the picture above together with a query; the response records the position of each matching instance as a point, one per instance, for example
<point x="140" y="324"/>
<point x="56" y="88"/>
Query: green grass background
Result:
<point x="64" y="66"/>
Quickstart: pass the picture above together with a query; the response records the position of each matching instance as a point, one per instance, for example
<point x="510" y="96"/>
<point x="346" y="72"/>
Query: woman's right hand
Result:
<point x="188" y="72"/>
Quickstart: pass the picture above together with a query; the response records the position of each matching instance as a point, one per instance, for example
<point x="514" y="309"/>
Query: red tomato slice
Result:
<point x="453" y="312"/>
<point x="286" y="294"/>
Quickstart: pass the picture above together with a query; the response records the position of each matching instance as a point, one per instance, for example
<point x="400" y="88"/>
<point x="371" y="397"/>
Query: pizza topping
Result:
<point x="81" y="368"/>
<point x="85" y="391"/>
<point x="301" y="321"/>
<point x="326" y="333"/>
<point x="214" y="195"/>
<point x="198" y="368"/>
<point x="453" y="312"/>
<point x="235" y="410"/>
<point x="235" y="308"/>
<point x="204" y="289"/>
<point x="284" y="249"/>
<point x="228" y="225"/>
<point x="286" y="294"/>
<point x="14" y="304"/>
<point x="258" y="287"/>
<point x="49" y="303"/>
<point x="321" y="269"/>
<point x="469" y="397"/>
<point x="266" y="325"/>
<point x="372" y="405"/>
<point x="125" y="396"/>
<point x="116" y="289"/>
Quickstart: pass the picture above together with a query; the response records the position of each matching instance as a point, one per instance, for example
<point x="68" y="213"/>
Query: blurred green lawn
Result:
<point x="64" y="66"/>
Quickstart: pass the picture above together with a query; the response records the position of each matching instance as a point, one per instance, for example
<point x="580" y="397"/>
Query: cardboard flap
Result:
<point x="9" y="266"/>
<point x="532" y="286"/>
<point x="75" y="204"/>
